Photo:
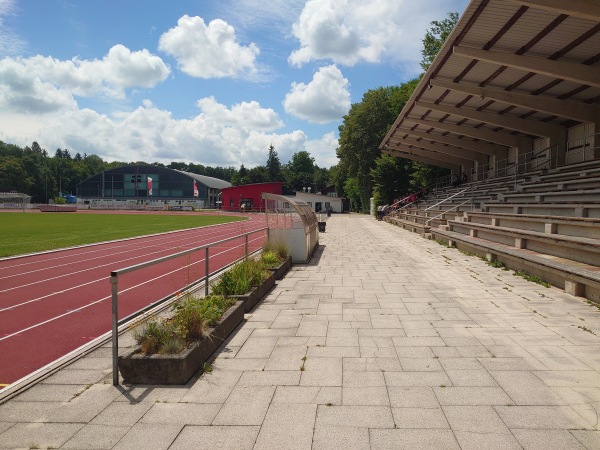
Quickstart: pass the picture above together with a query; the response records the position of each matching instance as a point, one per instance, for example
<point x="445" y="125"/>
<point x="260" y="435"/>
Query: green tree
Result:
<point x="273" y="165"/>
<point x="435" y="38"/>
<point x="353" y="193"/>
<point x="320" y="178"/>
<point x="299" y="172"/>
<point x="363" y="129"/>
<point x="178" y="166"/>
<point x="422" y="174"/>
<point x="13" y="176"/>
<point x="258" y="174"/>
<point x="391" y="178"/>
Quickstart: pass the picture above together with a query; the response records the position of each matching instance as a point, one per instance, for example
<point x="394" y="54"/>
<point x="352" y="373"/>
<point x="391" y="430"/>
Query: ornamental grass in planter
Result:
<point x="276" y="257"/>
<point x="249" y="280"/>
<point x="171" y="350"/>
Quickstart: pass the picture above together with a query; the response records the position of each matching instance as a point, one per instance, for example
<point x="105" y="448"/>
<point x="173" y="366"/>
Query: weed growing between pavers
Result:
<point x="532" y="278"/>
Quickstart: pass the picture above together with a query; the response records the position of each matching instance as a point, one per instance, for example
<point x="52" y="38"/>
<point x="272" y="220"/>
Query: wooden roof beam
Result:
<point x="584" y="9"/>
<point x="578" y="73"/>
<point x="432" y="155"/>
<point x="482" y="147"/>
<point x="441" y="148"/>
<point x="434" y="162"/>
<point x="582" y="112"/>
<point x="534" y="127"/>
<point x="496" y="137"/>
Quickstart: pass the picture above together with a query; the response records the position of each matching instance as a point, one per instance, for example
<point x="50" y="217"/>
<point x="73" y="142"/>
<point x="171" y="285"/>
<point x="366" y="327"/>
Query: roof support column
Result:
<point x="558" y="148"/>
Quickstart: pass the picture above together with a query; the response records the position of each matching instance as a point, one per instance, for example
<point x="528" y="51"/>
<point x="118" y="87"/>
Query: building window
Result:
<point x="231" y="202"/>
<point x="246" y="203"/>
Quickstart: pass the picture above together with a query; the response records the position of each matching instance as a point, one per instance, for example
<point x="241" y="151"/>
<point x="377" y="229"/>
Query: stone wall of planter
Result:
<point x="251" y="298"/>
<point x="139" y="368"/>
<point x="282" y="268"/>
<point x="157" y="369"/>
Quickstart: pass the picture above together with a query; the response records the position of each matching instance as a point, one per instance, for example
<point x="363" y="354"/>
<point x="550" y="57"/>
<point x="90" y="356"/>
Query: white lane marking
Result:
<point x="81" y="271"/>
<point x="37" y="325"/>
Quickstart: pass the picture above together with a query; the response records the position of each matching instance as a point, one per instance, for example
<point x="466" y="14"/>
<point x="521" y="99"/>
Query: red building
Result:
<point x="248" y="196"/>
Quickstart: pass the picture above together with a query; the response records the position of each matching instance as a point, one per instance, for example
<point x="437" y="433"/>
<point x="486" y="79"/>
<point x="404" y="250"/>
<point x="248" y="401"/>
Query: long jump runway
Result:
<point x="53" y="303"/>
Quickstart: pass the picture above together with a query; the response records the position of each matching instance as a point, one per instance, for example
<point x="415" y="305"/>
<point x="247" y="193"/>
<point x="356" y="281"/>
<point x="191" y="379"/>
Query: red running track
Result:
<point x="53" y="303"/>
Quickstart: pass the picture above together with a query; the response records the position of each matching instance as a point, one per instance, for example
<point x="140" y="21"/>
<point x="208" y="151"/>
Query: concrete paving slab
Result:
<point x="247" y="405"/>
<point x="340" y="438"/>
<point x="355" y="416"/>
<point x="431" y="439"/>
<point x="38" y="435"/>
<point x="545" y="439"/>
<point x="475" y="419"/>
<point x="489" y="441"/>
<point x="287" y="426"/>
<point x="96" y="437"/>
<point x="415" y="418"/>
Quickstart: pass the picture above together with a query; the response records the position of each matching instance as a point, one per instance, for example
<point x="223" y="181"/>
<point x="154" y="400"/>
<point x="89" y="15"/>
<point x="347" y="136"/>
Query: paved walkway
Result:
<point x="385" y="340"/>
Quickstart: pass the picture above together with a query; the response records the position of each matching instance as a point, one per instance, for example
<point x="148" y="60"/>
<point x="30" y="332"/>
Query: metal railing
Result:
<point x="114" y="280"/>
<point x="446" y="199"/>
<point x="428" y="221"/>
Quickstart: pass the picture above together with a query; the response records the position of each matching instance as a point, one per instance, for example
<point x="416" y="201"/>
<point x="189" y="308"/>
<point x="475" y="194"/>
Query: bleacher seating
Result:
<point x="545" y="223"/>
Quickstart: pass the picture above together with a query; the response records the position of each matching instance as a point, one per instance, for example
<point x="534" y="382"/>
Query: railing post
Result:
<point x="246" y="245"/>
<point x="114" y="281"/>
<point x="206" y="273"/>
<point x="472" y="199"/>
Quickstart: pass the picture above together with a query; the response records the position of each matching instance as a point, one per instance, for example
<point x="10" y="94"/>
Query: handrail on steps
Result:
<point x="446" y="199"/>
<point x="442" y="213"/>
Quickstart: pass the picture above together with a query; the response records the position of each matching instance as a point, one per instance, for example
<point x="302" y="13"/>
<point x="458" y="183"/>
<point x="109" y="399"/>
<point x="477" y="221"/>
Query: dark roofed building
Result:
<point x="148" y="183"/>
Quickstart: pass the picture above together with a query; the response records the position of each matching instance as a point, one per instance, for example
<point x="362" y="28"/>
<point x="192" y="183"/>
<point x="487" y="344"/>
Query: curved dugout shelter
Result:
<point x="515" y="88"/>
<point x="152" y="184"/>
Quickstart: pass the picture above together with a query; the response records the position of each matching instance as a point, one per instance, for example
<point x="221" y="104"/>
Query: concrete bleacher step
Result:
<point x="414" y="226"/>
<point x="576" y="278"/>
<point x="570" y="209"/>
<point x="571" y="175"/>
<point x="585" y="183"/>
<point x="580" y="249"/>
<point x="578" y="195"/>
<point x="567" y="225"/>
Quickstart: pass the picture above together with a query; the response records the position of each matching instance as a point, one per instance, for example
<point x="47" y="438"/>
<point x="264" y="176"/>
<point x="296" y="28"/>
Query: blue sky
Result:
<point x="202" y="81"/>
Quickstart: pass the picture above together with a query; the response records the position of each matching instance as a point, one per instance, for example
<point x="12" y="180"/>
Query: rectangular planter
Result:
<point x="282" y="268"/>
<point x="251" y="298"/>
<point x="138" y="368"/>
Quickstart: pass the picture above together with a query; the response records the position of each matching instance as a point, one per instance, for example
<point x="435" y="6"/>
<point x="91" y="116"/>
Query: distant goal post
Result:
<point x="14" y="200"/>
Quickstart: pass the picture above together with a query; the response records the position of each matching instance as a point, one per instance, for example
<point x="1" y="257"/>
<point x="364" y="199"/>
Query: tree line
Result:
<point x="31" y="170"/>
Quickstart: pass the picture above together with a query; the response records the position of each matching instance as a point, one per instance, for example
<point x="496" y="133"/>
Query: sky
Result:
<point x="212" y="82"/>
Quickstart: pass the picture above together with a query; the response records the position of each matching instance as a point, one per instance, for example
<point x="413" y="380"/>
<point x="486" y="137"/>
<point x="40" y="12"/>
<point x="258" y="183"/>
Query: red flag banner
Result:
<point x="195" y="189"/>
<point x="149" y="186"/>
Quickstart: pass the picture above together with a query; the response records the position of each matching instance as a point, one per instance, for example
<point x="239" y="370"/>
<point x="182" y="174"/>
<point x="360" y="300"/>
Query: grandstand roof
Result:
<point x="511" y="71"/>
<point x="214" y="183"/>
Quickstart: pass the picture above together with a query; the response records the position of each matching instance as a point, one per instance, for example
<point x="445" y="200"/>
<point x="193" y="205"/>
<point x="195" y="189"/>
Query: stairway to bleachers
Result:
<point x="544" y="223"/>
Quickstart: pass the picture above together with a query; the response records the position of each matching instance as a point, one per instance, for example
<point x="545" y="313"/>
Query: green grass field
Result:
<point x="27" y="233"/>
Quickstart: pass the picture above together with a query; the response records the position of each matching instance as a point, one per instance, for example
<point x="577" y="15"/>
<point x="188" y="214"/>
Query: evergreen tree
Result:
<point x="273" y="165"/>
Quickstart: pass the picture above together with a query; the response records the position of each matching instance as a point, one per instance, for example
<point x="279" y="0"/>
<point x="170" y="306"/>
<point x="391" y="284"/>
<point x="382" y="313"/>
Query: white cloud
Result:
<point x="209" y="51"/>
<point x="43" y="84"/>
<point x="326" y="98"/>
<point x="244" y="115"/>
<point x="10" y="42"/>
<point x="348" y="32"/>
<point x="217" y="135"/>
<point x="323" y="150"/>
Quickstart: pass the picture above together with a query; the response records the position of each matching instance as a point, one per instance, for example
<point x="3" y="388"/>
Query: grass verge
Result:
<point x="28" y="233"/>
